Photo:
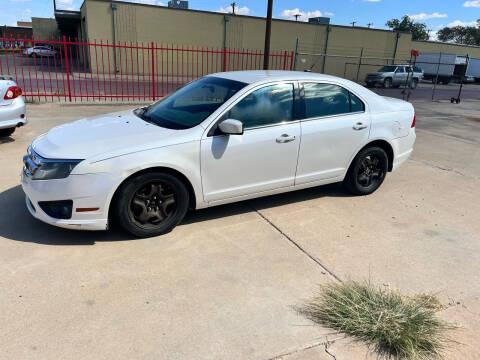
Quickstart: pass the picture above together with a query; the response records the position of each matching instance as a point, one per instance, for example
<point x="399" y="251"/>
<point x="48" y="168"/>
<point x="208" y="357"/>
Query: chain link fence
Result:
<point x="445" y="76"/>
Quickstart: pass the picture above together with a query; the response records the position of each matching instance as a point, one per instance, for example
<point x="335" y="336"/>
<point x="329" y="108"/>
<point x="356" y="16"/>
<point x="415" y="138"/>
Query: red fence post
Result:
<point x="285" y="60"/>
<point x="153" y="72"/>
<point x="67" y="67"/>
<point x="224" y="58"/>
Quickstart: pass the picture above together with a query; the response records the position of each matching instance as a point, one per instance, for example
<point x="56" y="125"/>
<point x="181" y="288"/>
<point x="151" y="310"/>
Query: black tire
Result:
<point x="151" y="204"/>
<point x="367" y="171"/>
<point x="7" y="132"/>
<point x="414" y="84"/>
<point x="387" y="83"/>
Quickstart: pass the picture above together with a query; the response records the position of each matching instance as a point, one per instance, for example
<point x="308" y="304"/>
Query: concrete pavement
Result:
<point x="222" y="284"/>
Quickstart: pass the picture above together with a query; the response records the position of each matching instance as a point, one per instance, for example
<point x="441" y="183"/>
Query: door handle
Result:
<point x="285" y="138"/>
<point x="359" y="126"/>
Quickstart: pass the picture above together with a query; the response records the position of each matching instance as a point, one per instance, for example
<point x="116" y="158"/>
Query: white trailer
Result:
<point x="473" y="68"/>
<point x="437" y="66"/>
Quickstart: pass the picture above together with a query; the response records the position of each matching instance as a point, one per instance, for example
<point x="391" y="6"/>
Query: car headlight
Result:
<point x="54" y="170"/>
<point x="38" y="168"/>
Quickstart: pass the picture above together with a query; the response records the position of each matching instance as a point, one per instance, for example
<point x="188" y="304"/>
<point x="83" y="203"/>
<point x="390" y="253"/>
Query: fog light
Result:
<point x="57" y="209"/>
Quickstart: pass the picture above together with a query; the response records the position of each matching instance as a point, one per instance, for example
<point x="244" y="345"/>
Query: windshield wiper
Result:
<point x="142" y="114"/>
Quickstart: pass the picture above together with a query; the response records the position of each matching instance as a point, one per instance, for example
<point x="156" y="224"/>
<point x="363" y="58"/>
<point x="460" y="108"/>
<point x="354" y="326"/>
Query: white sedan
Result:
<point x="40" y="50"/>
<point x="12" y="106"/>
<point x="223" y="138"/>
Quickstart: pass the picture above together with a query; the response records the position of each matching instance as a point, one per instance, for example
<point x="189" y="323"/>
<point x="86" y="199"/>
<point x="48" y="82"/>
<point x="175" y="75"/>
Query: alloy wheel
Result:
<point x="370" y="171"/>
<point x="153" y="203"/>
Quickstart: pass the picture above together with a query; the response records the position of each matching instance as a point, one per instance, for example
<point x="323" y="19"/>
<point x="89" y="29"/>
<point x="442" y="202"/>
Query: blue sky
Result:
<point x="434" y="13"/>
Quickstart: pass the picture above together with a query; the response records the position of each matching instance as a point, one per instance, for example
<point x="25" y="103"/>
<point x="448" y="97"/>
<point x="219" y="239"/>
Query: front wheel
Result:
<point x="387" y="84"/>
<point x="367" y="171"/>
<point x="414" y="84"/>
<point x="151" y="204"/>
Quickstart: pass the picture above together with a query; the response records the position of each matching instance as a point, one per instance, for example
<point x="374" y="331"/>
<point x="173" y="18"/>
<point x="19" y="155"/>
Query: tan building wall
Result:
<point x="144" y="24"/>
<point x="44" y="28"/>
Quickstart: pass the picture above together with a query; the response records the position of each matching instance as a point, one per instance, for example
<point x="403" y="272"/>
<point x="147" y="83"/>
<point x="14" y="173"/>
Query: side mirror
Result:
<point x="231" y="127"/>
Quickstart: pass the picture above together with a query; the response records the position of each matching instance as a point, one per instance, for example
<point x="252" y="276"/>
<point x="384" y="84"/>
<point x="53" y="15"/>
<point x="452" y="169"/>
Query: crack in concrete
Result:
<point x="297" y="245"/>
<point x="326" y="344"/>
<point x="438" y="167"/>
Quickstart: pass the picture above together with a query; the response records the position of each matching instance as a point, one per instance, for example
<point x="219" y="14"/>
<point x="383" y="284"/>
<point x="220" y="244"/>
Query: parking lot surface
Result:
<point x="223" y="284"/>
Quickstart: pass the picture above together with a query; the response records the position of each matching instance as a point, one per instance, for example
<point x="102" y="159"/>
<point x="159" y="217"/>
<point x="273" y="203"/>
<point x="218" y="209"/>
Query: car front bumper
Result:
<point x="89" y="191"/>
<point x="11" y="115"/>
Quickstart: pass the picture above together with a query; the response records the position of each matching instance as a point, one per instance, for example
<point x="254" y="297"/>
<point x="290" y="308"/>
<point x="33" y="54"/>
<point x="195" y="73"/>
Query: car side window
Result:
<point x="356" y="105"/>
<point x="325" y="100"/>
<point x="328" y="99"/>
<point x="266" y="106"/>
<point x="401" y="69"/>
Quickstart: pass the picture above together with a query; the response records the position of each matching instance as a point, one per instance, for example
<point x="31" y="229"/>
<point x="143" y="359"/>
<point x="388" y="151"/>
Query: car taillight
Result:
<point x="12" y="93"/>
<point x="414" y="120"/>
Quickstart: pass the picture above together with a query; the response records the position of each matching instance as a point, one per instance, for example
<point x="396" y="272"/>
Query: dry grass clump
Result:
<point x="396" y="326"/>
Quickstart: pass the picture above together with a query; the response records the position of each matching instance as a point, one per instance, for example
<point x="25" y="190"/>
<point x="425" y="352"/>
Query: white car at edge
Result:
<point x="223" y="138"/>
<point x="12" y="106"/>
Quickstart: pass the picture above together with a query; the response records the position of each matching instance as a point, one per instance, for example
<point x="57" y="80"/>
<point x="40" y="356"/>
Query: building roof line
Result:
<point x="246" y="16"/>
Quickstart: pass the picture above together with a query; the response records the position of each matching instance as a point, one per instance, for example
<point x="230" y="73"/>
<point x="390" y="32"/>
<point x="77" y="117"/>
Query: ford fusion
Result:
<point x="223" y="138"/>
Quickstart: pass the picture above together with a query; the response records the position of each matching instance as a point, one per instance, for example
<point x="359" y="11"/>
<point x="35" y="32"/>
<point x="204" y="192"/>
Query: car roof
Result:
<point x="259" y="76"/>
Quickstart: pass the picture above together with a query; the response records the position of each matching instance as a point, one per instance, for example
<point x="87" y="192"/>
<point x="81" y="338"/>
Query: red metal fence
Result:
<point x="77" y="70"/>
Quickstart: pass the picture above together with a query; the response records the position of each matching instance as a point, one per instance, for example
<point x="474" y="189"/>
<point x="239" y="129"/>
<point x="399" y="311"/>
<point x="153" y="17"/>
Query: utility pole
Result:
<point x="54" y="6"/>
<point x="233" y="7"/>
<point x="297" y="16"/>
<point x="268" y="34"/>
<point x="353" y="23"/>
<point x="369" y="25"/>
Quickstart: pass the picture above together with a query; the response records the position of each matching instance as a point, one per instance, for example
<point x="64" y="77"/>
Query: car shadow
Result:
<point x="17" y="224"/>
<point x="6" y="139"/>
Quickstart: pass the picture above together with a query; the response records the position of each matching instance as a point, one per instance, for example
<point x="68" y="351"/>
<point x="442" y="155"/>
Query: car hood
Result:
<point x="119" y="133"/>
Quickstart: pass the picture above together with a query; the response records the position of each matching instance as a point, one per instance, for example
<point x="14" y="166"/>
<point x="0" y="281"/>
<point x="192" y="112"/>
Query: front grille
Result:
<point x="31" y="162"/>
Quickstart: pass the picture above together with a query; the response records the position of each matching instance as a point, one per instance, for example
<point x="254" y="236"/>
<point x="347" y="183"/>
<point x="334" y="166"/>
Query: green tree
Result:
<point x="418" y="30"/>
<point x="469" y="35"/>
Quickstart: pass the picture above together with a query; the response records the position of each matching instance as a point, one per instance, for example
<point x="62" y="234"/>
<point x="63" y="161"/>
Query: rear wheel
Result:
<point x="151" y="204"/>
<point x="7" y="132"/>
<point x="367" y="171"/>
<point x="387" y="84"/>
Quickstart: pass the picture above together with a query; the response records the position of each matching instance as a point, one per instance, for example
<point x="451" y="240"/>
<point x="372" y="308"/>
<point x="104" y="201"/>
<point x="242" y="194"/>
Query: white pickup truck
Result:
<point x="12" y="106"/>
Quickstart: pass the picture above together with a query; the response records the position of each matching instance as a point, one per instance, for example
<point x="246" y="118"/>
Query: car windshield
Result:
<point x="192" y="104"/>
<point x="388" y="69"/>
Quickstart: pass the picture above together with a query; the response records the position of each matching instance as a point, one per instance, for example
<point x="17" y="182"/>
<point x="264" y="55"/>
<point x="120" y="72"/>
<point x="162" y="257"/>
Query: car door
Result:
<point x="400" y="76"/>
<point x="263" y="158"/>
<point x="336" y="125"/>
